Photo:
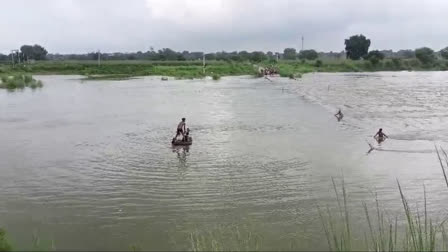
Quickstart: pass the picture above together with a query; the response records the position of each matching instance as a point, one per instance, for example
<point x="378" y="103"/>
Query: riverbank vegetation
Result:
<point x="19" y="81"/>
<point x="355" y="57"/>
<point x="194" y="69"/>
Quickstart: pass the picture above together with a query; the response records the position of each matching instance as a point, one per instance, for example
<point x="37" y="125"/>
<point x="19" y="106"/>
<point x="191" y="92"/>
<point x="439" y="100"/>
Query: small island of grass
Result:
<point x="19" y="81"/>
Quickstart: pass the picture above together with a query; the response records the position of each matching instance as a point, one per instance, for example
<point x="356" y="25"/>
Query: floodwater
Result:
<point x="89" y="165"/>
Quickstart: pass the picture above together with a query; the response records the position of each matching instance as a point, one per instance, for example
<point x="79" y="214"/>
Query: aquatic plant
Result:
<point x="19" y="81"/>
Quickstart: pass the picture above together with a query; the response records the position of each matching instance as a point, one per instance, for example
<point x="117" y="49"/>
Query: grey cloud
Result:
<point x="116" y="25"/>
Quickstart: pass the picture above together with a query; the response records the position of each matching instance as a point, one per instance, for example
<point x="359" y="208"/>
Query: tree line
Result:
<point x="356" y="48"/>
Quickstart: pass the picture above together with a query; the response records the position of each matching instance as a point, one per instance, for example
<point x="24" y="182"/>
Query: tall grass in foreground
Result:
<point x="420" y="232"/>
<point x="379" y="233"/>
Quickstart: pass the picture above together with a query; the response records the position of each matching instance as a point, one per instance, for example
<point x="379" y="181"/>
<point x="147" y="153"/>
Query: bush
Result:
<point x="28" y="78"/>
<point x="19" y="81"/>
<point x="272" y="61"/>
<point x="318" y="63"/>
<point x="216" y="77"/>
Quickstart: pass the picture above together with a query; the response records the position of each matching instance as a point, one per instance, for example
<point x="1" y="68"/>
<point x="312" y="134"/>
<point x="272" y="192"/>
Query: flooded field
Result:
<point x="89" y="164"/>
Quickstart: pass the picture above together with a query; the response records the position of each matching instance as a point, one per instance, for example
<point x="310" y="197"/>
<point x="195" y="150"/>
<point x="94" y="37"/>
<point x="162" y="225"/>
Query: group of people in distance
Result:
<point x="182" y="130"/>
<point x="379" y="136"/>
<point x="269" y="71"/>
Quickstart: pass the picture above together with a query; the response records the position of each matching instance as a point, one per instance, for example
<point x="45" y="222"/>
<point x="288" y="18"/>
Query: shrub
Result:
<point x="19" y="81"/>
<point x="216" y="77"/>
<point x="318" y="63"/>
<point x="28" y="78"/>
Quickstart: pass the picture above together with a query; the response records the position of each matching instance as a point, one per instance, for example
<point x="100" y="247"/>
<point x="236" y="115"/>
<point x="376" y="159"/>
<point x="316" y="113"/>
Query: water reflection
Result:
<point x="182" y="153"/>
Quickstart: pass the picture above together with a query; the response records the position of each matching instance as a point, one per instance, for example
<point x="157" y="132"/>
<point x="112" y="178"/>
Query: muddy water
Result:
<point x="89" y="165"/>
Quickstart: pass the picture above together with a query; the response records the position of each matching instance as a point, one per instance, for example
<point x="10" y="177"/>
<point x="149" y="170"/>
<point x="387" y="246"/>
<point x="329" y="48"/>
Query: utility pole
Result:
<point x="302" y="41"/>
<point x="203" y="63"/>
<point x="99" y="57"/>
<point x="13" y="52"/>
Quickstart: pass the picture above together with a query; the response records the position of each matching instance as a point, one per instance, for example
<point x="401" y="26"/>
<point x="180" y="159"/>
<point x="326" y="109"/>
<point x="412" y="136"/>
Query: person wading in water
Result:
<point x="339" y="115"/>
<point x="380" y="136"/>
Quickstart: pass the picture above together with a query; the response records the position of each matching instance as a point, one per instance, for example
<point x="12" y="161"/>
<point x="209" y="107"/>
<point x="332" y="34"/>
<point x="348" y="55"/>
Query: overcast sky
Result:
<point x="77" y="26"/>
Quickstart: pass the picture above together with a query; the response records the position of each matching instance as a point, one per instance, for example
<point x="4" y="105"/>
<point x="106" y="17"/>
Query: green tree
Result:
<point x="444" y="53"/>
<point x="258" y="56"/>
<point x="375" y="56"/>
<point x="210" y="56"/>
<point x="357" y="47"/>
<point x="425" y="55"/>
<point x="39" y="53"/>
<point x="406" y="54"/>
<point x="289" y="53"/>
<point x="308" y="54"/>
<point x="27" y="51"/>
<point x="35" y="52"/>
<point x="244" y="55"/>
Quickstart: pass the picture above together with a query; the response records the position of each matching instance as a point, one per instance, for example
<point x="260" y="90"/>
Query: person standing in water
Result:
<point x="339" y="115"/>
<point x="380" y="136"/>
<point x="180" y="129"/>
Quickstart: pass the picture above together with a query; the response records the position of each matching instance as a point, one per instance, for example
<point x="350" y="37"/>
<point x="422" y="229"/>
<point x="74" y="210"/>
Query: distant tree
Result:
<point x="244" y="55"/>
<point x="270" y="55"/>
<point x="210" y="56"/>
<point x="39" y="52"/>
<point x="167" y="54"/>
<point x="308" y="54"/>
<point x="257" y="56"/>
<point x="180" y="57"/>
<point x="27" y="51"/>
<point x="35" y="52"/>
<point x="375" y="56"/>
<point x="425" y="55"/>
<point x="357" y="47"/>
<point x="4" y="57"/>
<point x="444" y="53"/>
<point x="289" y="53"/>
<point x="405" y="54"/>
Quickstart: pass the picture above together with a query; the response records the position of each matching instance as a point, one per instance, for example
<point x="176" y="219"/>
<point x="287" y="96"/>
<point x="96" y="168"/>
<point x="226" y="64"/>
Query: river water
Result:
<point x="89" y="165"/>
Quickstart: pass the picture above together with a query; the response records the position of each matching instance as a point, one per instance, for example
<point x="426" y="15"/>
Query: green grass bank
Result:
<point x="194" y="69"/>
